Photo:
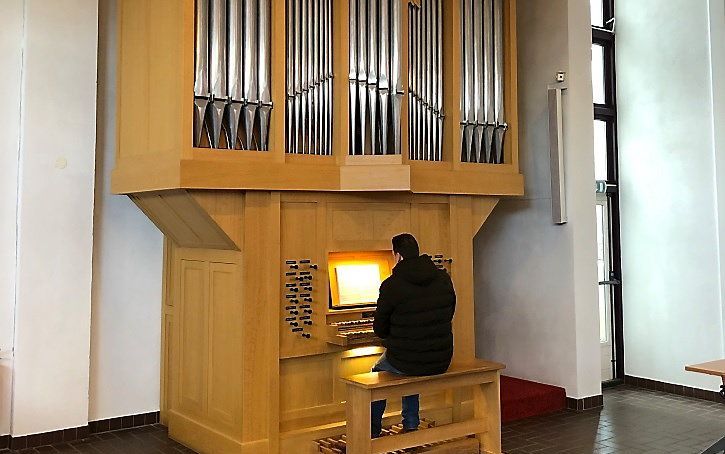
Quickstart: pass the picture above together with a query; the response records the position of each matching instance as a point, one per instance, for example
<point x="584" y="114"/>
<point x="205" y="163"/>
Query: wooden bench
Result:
<point x="483" y="376"/>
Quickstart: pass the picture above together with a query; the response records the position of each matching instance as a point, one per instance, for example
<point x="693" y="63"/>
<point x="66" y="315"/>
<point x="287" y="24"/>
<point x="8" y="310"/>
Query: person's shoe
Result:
<point x="405" y="430"/>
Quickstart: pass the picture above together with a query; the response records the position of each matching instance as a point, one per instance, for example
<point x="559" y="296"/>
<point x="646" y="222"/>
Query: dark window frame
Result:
<point x="607" y="112"/>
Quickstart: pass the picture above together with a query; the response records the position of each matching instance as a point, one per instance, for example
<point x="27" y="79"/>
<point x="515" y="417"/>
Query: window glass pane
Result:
<point x="601" y="274"/>
<point x="598" y="73"/>
<point x="603" y="331"/>
<point x="600" y="150"/>
<point x="600" y="242"/>
<point x="597" y="13"/>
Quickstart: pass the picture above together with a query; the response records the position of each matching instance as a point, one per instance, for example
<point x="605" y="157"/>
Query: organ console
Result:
<point x="350" y="322"/>
<point x="279" y="155"/>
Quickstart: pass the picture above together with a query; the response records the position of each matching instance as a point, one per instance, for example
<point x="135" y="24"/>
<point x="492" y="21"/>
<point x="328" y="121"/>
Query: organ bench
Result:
<point x="483" y="376"/>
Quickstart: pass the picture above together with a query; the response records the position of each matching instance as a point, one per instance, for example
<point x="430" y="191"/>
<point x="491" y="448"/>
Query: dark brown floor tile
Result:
<point x="633" y="420"/>
<point x="82" y="433"/>
<point x="139" y="420"/>
<point x="70" y="434"/>
<point x="127" y="422"/>
<point x="66" y="448"/>
<point x="35" y="440"/>
<point x="104" y="426"/>
<point x="151" y="418"/>
<point x="46" y="450"/>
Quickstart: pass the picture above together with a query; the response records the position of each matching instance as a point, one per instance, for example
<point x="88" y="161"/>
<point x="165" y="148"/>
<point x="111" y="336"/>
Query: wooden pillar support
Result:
<point x="358" y="421"/>
<point x="261" y="314"/>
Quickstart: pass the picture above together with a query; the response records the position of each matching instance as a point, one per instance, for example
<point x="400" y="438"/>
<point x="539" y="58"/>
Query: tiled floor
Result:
<point x="633" y="421"/>
<point x="141" y="440"/>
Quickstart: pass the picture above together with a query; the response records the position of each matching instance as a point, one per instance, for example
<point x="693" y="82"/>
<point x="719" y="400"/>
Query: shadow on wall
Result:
<point x="522" y="283"/>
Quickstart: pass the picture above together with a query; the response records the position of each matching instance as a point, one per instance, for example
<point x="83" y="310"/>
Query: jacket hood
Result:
<point x="418" y="271"/>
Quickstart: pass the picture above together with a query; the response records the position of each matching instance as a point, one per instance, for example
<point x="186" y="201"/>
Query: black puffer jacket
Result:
<point x="414" y="315"/>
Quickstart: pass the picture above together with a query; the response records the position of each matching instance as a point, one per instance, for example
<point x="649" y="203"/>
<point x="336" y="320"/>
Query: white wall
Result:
<point x="68" y="370"/>
<point x="52" y="329"/>
<point x="717" y="76"/>
<point x="672" y="196"/>
<point x="535" y="282"/>
<point x="127" y="267"/>
<point x="11" y="41"/>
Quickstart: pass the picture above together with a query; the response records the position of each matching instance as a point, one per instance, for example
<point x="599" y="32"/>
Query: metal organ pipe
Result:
<point x="479" y="123"/>
<point x="432" y="120"/>
<point x="500" y="120"/>
<point x="428" y="101"/>
<point x="313" y="118"/>
<point x="395" y="71"/>
<point x="251" y="86"/>
<point x="383" y="88"/>
<point x="315" y="79"/>
<point x="304" y="76"/>
<point x="372" y="81"/>
<point x="483" y="120"/>
<point x="232" y="97"/>
<point x="353" y="77"/>
<point x="412" y="81"/>
<point x="362" y="73"/>
<point x="375" y="86"/>
<point x="410" y="78"/>
<point x="218" y="68"/>
<point x="419" y="79"/>
<point x="235" y="91"/>
<point x="425" y="81"/>
<point x="264" y="82"/>
<point x="201" y="73"/>
<point x="328" y="78"/>
<point x="488" y="79"/>
<point x="309" y="76"/>
<point x="439" y="98"/>
<point x="290" y="78"/>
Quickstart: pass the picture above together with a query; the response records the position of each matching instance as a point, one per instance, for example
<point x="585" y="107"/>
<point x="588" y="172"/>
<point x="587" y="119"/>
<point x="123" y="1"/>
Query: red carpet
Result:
<point x="522" y="399"/>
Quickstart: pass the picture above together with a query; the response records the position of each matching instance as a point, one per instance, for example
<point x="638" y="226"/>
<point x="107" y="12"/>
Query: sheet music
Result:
<point x="358" y="284"/>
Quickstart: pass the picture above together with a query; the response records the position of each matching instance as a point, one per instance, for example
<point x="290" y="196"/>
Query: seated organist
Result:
<point x="414" y="318"/>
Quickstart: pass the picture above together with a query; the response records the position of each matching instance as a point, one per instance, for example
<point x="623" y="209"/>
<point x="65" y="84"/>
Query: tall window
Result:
<point x="606" y="174"/>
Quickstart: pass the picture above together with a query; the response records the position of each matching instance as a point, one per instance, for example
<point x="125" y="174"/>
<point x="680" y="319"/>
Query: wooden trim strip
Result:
<point x="439" y="385"/>
<point x="422" y="437"/>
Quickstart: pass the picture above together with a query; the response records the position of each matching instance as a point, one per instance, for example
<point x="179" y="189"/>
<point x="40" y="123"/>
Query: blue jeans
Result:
<point x="411" y="404"/>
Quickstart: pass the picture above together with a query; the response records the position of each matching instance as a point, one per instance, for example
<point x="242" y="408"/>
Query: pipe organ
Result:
<point x="278" y="223"/>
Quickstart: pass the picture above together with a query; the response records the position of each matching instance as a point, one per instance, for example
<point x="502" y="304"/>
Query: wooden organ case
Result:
<point x="255" y="212"/>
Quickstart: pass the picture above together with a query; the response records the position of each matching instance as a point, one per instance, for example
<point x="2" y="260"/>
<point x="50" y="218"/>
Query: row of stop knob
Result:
<point x="298" y="304"/>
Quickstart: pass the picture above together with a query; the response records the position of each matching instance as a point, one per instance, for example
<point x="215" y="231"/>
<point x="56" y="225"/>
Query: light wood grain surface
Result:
<point x="710" y="368"/>
<point x="374" y="380"/>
